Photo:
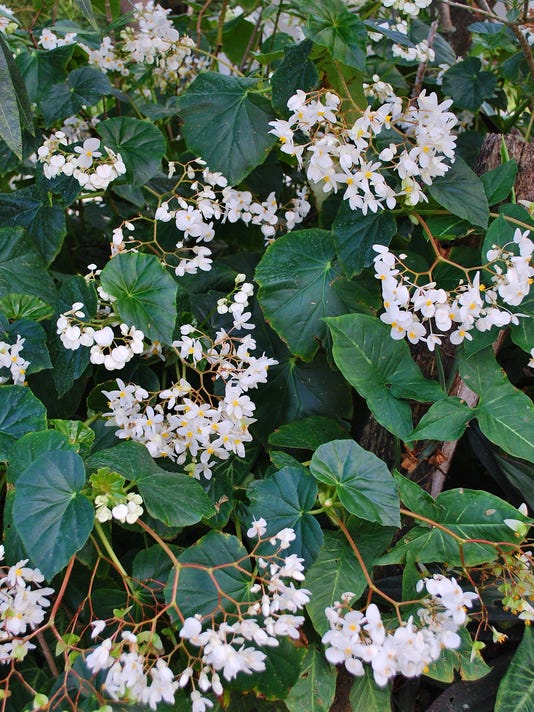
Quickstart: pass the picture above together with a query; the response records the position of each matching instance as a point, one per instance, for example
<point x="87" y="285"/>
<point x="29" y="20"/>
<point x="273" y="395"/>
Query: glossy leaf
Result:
<point x="51" y="515"/>
<point x="83" y="87"/>
<point x="380" y="369"/>
<point x="230" y="110"/>
<point x="284" y="500"/>
<point x="145" y="294"/>
<point x="362" y="481"/>
<point x="461" y="192"/>
<point x="355" y="234"/>
<point x="218" y="578"/>
<point x="505" y="414"/>
<point x="31" y="446"/>
<point x="315" y="689"/>
<point x="20" y="413"/>
<point x="445" y="420"/>
<point x="466" y="660"/>
<point x="282" y="667"/>
<point x="299" y="286"/>
<point x="499" y="182"/>
<point x="140" y="144"/>
<point x="308" y="433"/>
<point x="24" y="306"/>
<point x="516" y="691"/>
<point x="296" y="71"/>
<point x="415" y="498"/>
<point x="366" y="695"/>
<point x="10" y="125"/>
<point x="342" y="32"/>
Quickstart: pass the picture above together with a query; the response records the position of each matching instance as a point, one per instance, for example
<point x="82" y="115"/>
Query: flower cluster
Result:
<point x="49" y="40"/>
<point x="213" y="199"/>
<point x="407" y="7"/>
<point x="22" y="604"/>
<point x="11" y="359"/>
<point x="125" y="509"/>
<point x="107" y="348"/>
<point x="337" y="156"/>
<point x="183" y="422"/>
<point x="150" y="40"/>
<point x="356" y="638"/>
<point x="85" y="163"/>
<point x="424" y="312"/>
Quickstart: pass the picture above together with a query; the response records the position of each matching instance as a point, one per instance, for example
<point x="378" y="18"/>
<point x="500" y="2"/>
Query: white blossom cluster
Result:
<point x="407" y="7"/>
<point x="11" y="359"/>
<point x="340" y="157"/>
<point x="125" y="509"/>
<point x="424" y="312"/>
<point x="188" y="424"/>
<point x="150" y="40"/>
<point x="85" y="163"/>
<point x="49" y="39"/>
<point x="107" y="347"/>
<point x="22" y="604"/>
<point x="8" y="23"/>
<point x="213" y="199"/>
<point x="356" y="638"/>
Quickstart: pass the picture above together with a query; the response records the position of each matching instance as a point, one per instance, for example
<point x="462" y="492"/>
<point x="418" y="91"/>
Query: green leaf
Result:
<point x="342" y="32"/>
<point x="284" y="500"/>
<point x="230" y="109"/>
<point x="355" y="234"/>
<point x="140" y="144"/>
<point x="87" y="10"/>
<point x="79" y="435"/>
<point x="43" y="68"/>
<point x="316" y="686"/>
<point x="516" y="690"/>
<point x="22" y="268"/>
<point x="445" y="420"/>
<point x="415" y="498"/>
<point x="471" y="514"/>
<point x="465" y="659"/>
<point x="20" y="413"/>
<point x="366" y="695"/>
<point x="10" y="124"/>
<point x="83" y="87"/>
<point x="219" y="575"/>
<point x="505" y="414"/>
<point x="298" y="287"/>
<point x="461" y="192"/>
<point x="363" y="483"/>
<point x="31" y="208"/>
<point x="51" y="515"/>
<point x="308" y="433"/>
<point x="380" y="369"/>
<point x="468" y="84"/>
<point x="24" y="306"/>
<point x="499" y="182"/>
<point x="236" y="36"/>
<point x="282" y="667"/>
<point x="336" y="569"/>
<point x="145" y="294"/>
<point x="295" y="71"/>
<point x="31" y="446"/>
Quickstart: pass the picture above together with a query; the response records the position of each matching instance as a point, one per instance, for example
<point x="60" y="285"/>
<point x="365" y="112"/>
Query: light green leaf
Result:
<point x="461" y="192"/>
<point x="24" y="306"/>
<point x="380" y="369"/>
<point x="231" y="111"/>
<point x="145" y="294"/>
<point x="51" y="515"/>
<point x="316" y="686"/>
<point x="505" y="414"/>
<point x="363" y="483"/>
<point x="445" y="420"/>
<point x="415" y="498"/>
<point x="284" y="500"/>
<point x="516" y="691"/>
<point x="20" y="413"/>
<point x="87" y="9"/>
<point x="298" y="287"/>
<point x="140" y="144"/>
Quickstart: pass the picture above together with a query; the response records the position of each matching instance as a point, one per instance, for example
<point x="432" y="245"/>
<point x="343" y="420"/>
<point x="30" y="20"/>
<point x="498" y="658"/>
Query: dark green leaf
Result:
<point x="230" y="109"/>
<point x="84" y="87"/>
<point x="516" y="691"/>
<point x="298" y="287"/>
<point x="174" y="499"/>
<point x="373" y="363"/>
<point x="219" y="576"/>
<point x="296" y="71"/>
<point x="282" y="667"/>
<point x="316" y="686"/>
<point x="10" y="124"/>
<point x="366" y="695"/>
<point x="20" y="413"/>
<point x="24" y="306"/>
<point x="468" y="84"/>
<point x="21" y="268"/>
<point x="34" y="349"/>
<point x="415" y="498"/>
<point x="505" y="414"/>
<point x="308" y="433"/>
<point x="499" y="182"/>
<point x="52" y="517"/>
<point x="466" y="660"/>
<point x="284" y="500"/>
<point x="342" y="32"/>
<point x="31" y="446"/>
<point x="140" y="144"/>
<point x="461" y="192"/>
<point x="355" y="234"/>
<point x="145" y="294"/>
<point x="445" y="420"/>
<point x="363" y="483"/>
<point x="42" y="68"/>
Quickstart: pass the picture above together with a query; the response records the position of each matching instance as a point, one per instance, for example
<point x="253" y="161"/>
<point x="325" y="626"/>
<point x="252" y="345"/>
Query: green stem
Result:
<point x="112" y="555"/>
